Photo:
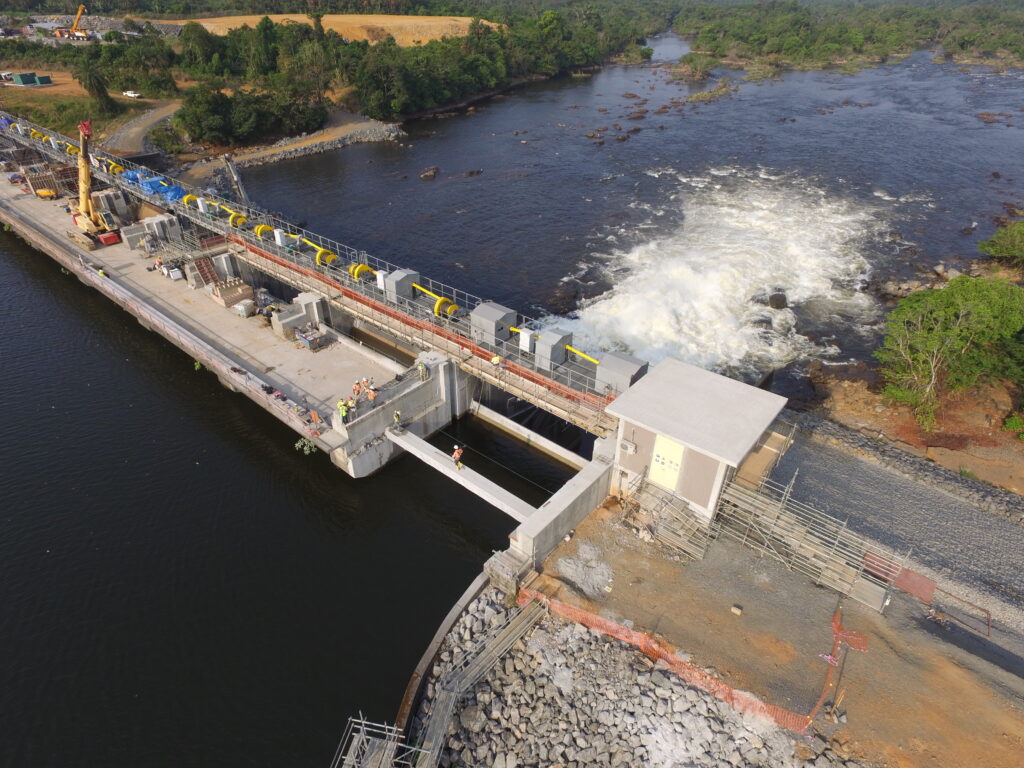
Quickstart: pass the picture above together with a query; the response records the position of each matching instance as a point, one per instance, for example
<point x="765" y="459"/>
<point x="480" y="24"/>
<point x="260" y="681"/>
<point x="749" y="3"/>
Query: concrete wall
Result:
<point x="700" y="476"/>
<point x="560" y="514"/>
<point x="425" y="406"/>
<point x="531" y="438"/>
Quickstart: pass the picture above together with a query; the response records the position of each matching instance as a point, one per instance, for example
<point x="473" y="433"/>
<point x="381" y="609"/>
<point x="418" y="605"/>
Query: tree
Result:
<point x="950" y="338"/>
<point x="1007" y="244"/>
<point x="95" y="84"/>
<point x="205" y="115"/>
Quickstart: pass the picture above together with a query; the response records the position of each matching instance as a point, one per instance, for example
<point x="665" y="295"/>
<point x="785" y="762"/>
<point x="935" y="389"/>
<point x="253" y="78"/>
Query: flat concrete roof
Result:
<point x="714" y="414"/>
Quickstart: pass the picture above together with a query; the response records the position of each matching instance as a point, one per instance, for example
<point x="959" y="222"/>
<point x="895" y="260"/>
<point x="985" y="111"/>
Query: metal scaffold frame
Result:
<point x="374" y="745"/>
<point x="804" y="539"/>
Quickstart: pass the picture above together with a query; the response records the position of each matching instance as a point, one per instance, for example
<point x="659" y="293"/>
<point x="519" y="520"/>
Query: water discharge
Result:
<point x="700" y="292"/>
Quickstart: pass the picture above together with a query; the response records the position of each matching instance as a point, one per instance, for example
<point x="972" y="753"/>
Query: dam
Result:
<point x="277" y="314"/>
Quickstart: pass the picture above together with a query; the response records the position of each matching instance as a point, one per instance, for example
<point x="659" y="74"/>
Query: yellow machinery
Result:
<point x="75" y="33"/>
<point x="86" y="217"/>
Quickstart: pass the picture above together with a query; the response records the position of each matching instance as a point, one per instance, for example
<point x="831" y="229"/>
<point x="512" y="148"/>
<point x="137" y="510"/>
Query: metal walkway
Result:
<point x="569" y="391"/>
<point x="460" y="678"/>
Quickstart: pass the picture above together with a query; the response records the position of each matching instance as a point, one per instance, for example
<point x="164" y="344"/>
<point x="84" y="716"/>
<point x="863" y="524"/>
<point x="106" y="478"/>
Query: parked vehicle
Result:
<point x="132" y="94"/>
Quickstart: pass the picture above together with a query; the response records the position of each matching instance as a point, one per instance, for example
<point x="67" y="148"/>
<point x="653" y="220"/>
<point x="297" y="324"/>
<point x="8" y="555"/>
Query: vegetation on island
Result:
<point x="947" y="339"/>
<point x="769" y="35"/>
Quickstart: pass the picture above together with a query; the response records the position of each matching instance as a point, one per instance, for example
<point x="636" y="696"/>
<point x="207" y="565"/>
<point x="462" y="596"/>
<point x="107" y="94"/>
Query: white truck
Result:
<point x="132" y="94"/>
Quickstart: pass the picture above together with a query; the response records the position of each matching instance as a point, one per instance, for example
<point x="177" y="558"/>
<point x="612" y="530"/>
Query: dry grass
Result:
<point x="407" y="30"/>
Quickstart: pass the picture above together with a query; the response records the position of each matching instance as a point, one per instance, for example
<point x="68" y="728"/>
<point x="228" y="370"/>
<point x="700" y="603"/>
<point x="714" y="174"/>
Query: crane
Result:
<point x="86" y="217"/>
<point x="74" y="32"/>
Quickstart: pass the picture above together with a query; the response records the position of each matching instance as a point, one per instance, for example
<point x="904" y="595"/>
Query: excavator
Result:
<point x="74" y="33"/>
<point x="85" y="216"/>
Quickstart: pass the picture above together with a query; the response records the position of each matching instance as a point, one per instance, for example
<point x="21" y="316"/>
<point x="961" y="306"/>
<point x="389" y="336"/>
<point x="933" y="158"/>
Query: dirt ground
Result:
<point x="407" y="30"/>
<point x="970" y="437"/>
<point x="63" y="84"/>
<point x="923" y="696"/>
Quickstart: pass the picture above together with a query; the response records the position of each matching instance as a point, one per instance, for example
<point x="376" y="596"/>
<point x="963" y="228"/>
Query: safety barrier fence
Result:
<point x="112" y="169"/>
<point x="660" y="651"/>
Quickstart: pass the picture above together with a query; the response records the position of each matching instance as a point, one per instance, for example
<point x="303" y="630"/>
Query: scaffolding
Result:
<point x="374" y="745"/>
<point x="808" y="541"/>
<point x="668" y="518"/>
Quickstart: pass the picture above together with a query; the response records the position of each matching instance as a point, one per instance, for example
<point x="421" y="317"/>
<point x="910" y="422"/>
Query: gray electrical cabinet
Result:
<point x="489" y="323"/>
<point x="398" y="284"/>
<point x="619" y="371"/>
<point x="550" y="347"/>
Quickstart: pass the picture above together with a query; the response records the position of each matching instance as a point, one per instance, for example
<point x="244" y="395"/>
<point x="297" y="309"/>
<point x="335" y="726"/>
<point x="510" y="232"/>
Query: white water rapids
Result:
<point x="692" y="293"/>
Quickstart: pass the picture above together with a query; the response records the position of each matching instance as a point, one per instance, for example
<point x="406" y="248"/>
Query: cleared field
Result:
<point x="407" y="30"/>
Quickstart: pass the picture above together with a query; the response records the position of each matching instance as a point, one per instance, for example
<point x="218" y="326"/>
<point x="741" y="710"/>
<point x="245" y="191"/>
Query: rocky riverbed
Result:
<point x="568" y="696"/>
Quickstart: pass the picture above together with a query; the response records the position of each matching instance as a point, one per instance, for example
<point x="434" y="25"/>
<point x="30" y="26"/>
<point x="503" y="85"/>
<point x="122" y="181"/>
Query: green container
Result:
<point x="25" y="78"/>
<point x="44" y="80"/>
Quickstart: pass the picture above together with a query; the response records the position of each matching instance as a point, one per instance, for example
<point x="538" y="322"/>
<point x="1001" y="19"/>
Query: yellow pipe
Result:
<point x="584" y="355"/>
<point x="189" y="199"/>
<point x="431" y="294"/>
<point x="236" y="219"/>
<point x="259" y="229"/>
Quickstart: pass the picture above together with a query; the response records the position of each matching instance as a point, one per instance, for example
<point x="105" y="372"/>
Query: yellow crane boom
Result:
<point x="78" y="18"/>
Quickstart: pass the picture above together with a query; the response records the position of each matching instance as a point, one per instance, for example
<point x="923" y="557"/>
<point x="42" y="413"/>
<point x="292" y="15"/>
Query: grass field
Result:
<point x="63" y="105"/>
<point x="407" y="30"/>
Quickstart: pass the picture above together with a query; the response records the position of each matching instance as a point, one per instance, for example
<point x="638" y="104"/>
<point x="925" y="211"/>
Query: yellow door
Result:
<point x="666" y="462"/>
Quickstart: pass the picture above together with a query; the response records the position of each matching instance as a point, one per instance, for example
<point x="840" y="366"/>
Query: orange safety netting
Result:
<point x="660" y="651"/>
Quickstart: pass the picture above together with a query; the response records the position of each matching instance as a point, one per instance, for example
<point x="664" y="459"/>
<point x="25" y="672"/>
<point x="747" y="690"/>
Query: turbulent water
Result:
<point x="181" y="587"/>
<point x="669" y="242"/>
<point x="699" y="293"/>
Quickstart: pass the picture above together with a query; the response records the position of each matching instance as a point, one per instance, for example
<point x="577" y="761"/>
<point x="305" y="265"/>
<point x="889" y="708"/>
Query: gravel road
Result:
<point x="131" y="137"/>
<point x="973" y="553"/>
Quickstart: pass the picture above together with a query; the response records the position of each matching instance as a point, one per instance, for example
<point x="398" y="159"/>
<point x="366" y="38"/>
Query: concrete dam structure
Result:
<point x="273" y="311"/>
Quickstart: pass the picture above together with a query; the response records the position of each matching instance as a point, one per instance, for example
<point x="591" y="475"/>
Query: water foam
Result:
<point x="692" y="293"/>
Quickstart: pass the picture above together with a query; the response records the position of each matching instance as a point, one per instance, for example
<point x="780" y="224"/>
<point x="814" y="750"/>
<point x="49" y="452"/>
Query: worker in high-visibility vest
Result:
<point x="343" y="411"/>
<point x="457" y="457"/>
<point x="356" y="389"/>
<point x="371" y="395"/>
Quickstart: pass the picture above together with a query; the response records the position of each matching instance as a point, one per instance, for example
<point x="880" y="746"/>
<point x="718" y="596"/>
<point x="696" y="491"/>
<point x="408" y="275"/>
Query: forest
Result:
<point x="257" y="83"/>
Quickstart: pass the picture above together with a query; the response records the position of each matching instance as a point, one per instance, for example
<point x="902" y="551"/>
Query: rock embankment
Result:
<point x="568" y="696"/>
<point x="378" y="132"/>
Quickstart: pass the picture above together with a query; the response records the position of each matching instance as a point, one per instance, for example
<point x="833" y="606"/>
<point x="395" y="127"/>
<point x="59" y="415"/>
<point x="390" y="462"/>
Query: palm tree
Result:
<point x="95" y="84"/>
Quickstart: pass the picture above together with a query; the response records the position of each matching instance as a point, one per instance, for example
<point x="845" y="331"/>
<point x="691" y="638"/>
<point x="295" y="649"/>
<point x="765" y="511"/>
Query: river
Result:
<point x="181" y="587"/>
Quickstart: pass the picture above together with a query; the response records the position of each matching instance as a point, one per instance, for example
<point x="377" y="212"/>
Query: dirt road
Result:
<point x="130" y="138"/>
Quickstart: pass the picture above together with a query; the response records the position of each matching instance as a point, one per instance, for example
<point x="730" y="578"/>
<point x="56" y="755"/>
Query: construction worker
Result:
<point x="343" y="411"/>
<point x="101" y="272"/>
<point x="396" y="419"/>
<point x="422" y="368"/>
<point x="356" y="389"/>
<point x="496" y="361"/>
<point x="366" y="383"/>
<point x="371" y="395"/>
<point x="457" y="457"/>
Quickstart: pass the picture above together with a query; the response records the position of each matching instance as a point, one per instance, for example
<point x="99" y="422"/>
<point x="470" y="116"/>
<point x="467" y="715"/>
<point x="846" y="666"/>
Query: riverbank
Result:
<point x="343" y="128"/>
<point x="544" y="704"/>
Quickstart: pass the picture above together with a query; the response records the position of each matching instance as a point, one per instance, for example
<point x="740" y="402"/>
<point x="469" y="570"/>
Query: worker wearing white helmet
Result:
<point x="457" y="457"/>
